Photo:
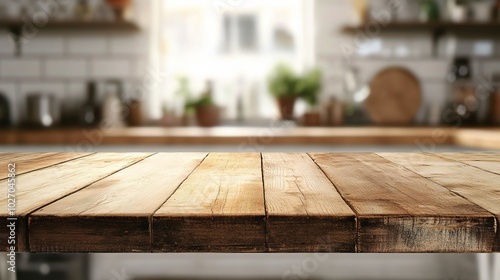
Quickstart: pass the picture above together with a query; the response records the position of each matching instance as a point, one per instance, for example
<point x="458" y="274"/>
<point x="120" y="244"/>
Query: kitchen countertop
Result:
<point x="247" y="137"/>
<point x="253" y="202"/>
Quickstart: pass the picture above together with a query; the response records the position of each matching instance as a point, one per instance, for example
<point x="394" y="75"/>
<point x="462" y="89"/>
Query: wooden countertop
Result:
<point x="252" y="202"/>
<point x="249" y="137"/>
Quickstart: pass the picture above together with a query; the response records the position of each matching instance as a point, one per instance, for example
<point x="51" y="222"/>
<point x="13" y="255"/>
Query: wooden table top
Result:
<point x="253" y="202"/>
<point x="247" y="138"/>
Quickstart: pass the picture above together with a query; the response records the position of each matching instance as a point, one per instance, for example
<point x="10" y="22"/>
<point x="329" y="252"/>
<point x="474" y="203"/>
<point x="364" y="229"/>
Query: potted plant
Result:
<point x="308" y="88"/>
<point x="282" y="84"/>
<point x="207" y="112"/>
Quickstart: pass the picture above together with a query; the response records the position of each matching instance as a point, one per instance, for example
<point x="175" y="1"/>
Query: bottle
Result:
<point x="89" y="110"/>
<point x="112" y="109"/>
<point x="496" y="11"/>
<point x="4" y="112"/>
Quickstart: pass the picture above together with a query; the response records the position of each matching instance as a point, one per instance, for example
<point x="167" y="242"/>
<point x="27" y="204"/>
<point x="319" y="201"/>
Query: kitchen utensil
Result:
<point x="4" y="111"/>
<point x="355" y="93"/>
<point x="460" y="70"/>
<point x="394" y="98"/>
<point x="465" y="103"/>
<point x="42" y="110"/>
<point x="112" y="108"/>
<point x="89" y="114"/>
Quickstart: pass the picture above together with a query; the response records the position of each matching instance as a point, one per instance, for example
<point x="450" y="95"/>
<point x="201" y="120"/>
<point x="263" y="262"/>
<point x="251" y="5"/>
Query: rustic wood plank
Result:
<point x="401" y="211"/>
<point x="476" y="185"/>
<point x="220" y="207"/>
<point x="305" y="213"/>
<point x="27" y="162"/>
<point x="39" y="188"/>
<point x="486" y="161"/>
<point x="113" y="214"/>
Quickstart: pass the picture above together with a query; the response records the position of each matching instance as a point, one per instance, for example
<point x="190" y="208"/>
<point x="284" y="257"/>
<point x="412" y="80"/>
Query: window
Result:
<point x="234" y="47"/>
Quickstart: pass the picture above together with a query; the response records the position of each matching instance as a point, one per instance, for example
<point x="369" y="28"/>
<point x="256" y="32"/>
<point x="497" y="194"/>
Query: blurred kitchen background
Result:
<point x="177" y="63"/>
<point x="123" y="75"/>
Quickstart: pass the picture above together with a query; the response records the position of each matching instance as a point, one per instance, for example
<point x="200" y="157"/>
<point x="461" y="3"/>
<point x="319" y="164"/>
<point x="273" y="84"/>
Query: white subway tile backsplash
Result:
<point x="44" y="44"/>
<point x="9" y="90"/>
<point x="20" y="68"/>
<point x="57" y="89"/>
<point x="87" y="44"/>
<point x="490" y="67"/>
<point x="128" y="44"/>
<point x="66" y="68"/>
<point x="6" y="43"/>
<point x="424" y="69"/>
<point x="110" y="68"/>
<point x="140" y="69"/>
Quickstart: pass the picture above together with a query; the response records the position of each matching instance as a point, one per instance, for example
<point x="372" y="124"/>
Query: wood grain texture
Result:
<point x="305" y="213"/>
<point x="486" y="161"/>
<point x="26" y="162"/>
<point x="394" y="98"/>
<point x="113" y="214"/>
<point x="247" y="138"/>
<point x="477" y="138"/>
<point x="476" y="185"/>
<point x="39" y="188"/>
<point x="219" y="207"/>
<point x="401" y="211"/>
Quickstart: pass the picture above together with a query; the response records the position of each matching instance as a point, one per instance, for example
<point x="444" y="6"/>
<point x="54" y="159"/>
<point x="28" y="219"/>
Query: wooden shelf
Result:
<point x="441" y="26"/>
<point x="436" y="28"/>
<point x="17" y="27"/>
<point x="75" y="24"/>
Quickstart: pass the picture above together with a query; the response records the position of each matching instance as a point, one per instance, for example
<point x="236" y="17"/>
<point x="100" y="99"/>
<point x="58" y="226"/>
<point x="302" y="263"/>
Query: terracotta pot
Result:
<point x="312" y="119"/>
<point x="119" y="7"/>
<point x="208" y="115"/>
<point x="286" y="105"/>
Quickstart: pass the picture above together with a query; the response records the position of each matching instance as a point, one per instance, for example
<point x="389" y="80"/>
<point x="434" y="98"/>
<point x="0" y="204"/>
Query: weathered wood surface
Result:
<point x="44" y="186"/>
<point x="486" y="161"/>
<point x="26" y="162"/>
<point x="251" y="202"/>
<point x="219" y="207"/>
<point x="113" y="214"/>
<point x="401" y="211"/>
<point x="474" y="184"/>
<point x="304" y="210"/>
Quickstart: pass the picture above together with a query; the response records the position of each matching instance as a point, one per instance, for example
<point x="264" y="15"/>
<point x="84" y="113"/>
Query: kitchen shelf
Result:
<point x="16" y="27"/>
<point x="75" y="24"/>
<point x="436" y="28"/>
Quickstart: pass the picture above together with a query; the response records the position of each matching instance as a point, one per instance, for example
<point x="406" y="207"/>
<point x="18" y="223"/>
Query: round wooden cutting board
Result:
<point x="395" y="97"/>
